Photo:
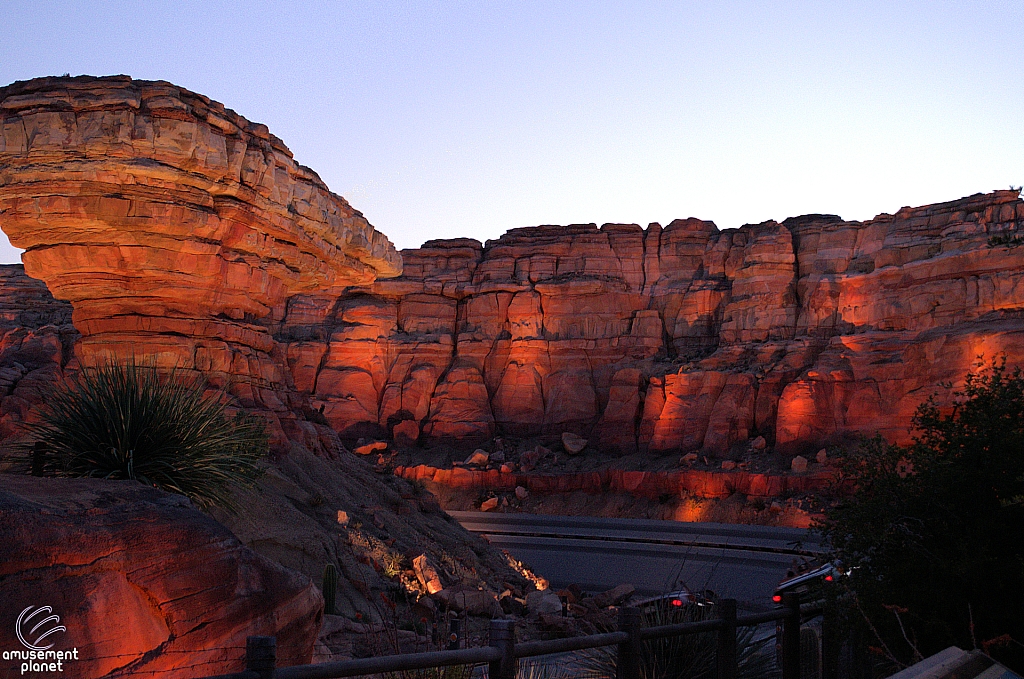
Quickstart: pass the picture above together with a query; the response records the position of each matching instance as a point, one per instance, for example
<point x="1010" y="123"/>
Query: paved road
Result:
<point x="744" y="562"/>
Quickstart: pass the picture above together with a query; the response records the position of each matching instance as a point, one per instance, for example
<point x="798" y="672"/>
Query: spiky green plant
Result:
<point x="125" y="421"/>
<point x="688" y="656"/>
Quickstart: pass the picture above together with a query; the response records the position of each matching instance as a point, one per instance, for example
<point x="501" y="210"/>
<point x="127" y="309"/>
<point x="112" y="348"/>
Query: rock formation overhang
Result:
<point x="176" y="228"/>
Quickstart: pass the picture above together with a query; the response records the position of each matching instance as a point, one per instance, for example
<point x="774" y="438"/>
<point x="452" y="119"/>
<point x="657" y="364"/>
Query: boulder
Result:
<point x="798" y="464"/>
<point x="427" y="574"/>
<point x="489" y="504"/>
<point x="522" y="493"/>
<point x="479" y="458"/>
<point x="822" y="456"/>
<point x="142" y="579"/>
<point x="573" y="443"/>
<point x="470" y="601"/>
<point x="539" y="602"/>
<point x="613" y="596"/>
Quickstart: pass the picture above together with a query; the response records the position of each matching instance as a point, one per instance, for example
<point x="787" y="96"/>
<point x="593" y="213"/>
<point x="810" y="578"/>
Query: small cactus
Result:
<point x="330" y="588"/>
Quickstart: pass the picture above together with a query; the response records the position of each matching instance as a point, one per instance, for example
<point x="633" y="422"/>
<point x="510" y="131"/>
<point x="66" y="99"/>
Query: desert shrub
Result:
<point x="125" y="421"/>
<point x="688" y="656"/>
<point x="934" y="530"/>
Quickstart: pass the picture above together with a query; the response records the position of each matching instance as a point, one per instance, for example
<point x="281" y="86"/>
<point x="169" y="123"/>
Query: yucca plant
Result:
<point x="125" y="421"/>
<point x="689" y="656"/>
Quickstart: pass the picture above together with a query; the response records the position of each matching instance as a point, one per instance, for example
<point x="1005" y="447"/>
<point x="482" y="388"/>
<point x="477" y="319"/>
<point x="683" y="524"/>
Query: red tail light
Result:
<point x="777" y="598"/>
<point x="828" y="578"/>
<point x="677" y="602"/>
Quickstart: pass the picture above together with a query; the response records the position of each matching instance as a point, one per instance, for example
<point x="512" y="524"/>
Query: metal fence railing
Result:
<point x="502" y="652"/>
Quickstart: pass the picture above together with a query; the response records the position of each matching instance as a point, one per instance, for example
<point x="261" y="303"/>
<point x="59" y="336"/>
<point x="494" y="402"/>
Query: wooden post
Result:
<point x="503" y="637"/>
<point x="38" y="451"/>
<point x="628" y="663"/>
<point x="261" y="655"/>
<point x="791" y="636"/>
<point x="725" y="659"/>
<point x="829" y="643"/>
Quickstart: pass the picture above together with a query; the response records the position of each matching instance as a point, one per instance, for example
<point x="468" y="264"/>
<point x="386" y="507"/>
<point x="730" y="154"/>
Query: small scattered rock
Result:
<point x="506" y="469"/>
<point x="799" y="464"/>
<point x="342" y="517"/>
<point x="775" y="507"/>
<point x="759" y="443"/>
<point x="522" y="493"/>
<point x="489" y="504"/>
<point x="822" y="456"/>
<point x="728" y="465"/>
<point x="689" y="458"/>
<point x="479" y="457"/>
<point x="371" y="447"/>
<point x="573" y="443"/>
<point x="529" y="460"/>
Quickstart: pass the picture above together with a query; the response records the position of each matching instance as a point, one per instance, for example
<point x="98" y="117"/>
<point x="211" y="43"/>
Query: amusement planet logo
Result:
<point x="35" y="629"/>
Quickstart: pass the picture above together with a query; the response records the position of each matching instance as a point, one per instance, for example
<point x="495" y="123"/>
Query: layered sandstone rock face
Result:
<point x="808" y="332"/>
<point x="36" y="340"/>
<point x="143" y="582"/>
<point x="177" y="229"/>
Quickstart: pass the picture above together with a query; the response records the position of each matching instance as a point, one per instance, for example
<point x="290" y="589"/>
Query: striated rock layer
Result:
<point x="184" y="234"/>
<point x="682" y="338"/>
<point x="176" y="228"/>
<point x="183" y="591"/>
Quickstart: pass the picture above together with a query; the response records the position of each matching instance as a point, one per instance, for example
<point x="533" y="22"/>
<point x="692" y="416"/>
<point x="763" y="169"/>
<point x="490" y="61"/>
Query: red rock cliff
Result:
<point x="682" y="338"/>
<point x="176" y="228"/>
<point x="183" y="233"/>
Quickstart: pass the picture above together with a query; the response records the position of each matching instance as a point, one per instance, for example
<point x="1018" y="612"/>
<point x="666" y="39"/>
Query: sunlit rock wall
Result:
<point x="808" y="332"/>
<point x="177" y="229"/>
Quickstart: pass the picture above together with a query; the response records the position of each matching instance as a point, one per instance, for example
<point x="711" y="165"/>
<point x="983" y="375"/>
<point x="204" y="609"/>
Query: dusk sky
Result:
<point x="439" y="120"/>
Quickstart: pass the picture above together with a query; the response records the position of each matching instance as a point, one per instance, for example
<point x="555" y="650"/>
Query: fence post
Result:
<point x="725" y="659"/>
<point x="261" y="655"/>
<point x="38" y="451"/>
<point x="829" y="643"/>
<point x="791" y="636"/>
<point x="627" y="665"/>
<point x="503" y="637"/>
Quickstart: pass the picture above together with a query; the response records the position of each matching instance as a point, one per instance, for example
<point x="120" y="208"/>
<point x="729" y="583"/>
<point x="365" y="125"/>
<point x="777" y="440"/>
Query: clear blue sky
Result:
<point x="466" y="119"/>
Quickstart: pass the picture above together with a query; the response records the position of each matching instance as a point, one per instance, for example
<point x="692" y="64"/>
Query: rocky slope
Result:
<point x="683" y="338"/>
<point x="183" y="591"/>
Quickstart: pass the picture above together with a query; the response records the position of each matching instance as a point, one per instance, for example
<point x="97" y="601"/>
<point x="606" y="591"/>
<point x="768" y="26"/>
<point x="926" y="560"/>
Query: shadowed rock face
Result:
<point x="683" y="338"/>
<point x="176" y="228"/>
<point x="144" y="583"/>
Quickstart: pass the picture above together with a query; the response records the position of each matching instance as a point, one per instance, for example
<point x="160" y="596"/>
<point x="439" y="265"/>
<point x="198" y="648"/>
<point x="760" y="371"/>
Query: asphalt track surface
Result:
<point x="741" y="562"/>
